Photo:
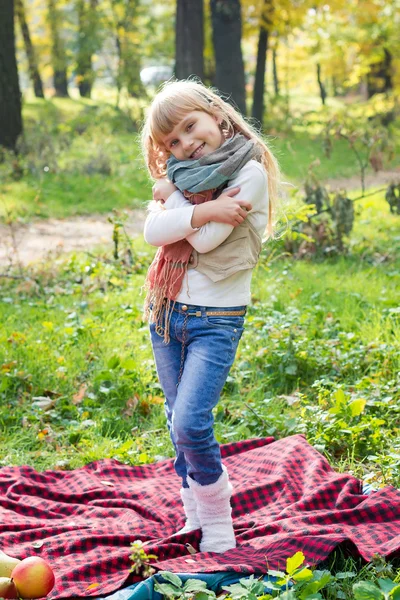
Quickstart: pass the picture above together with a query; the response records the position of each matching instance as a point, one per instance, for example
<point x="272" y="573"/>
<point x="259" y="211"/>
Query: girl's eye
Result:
<point x="173" y="143"/>
<point x="189" y="127"/>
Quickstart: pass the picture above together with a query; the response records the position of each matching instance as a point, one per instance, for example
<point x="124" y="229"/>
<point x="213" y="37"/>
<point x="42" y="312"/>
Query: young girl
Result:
<point x="202" y="153"/>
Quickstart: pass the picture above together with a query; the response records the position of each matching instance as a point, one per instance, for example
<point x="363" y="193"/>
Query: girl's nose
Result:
<point x="187" y="143"/>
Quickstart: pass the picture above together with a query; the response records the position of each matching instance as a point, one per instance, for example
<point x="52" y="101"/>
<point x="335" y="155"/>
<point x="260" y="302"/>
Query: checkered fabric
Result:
<point x="286" y="498"/>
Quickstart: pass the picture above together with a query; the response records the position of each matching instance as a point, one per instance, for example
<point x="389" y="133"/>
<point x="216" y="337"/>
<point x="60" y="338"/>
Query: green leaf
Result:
<point x="395" y="593"/>
<point x="386" y="585"/>
<point x="322" y="577"/>
<point x="204" y="595"/>
<point x="291" y="369"/>
<point x="172" y="578"/>
<point x="340" y="401"/>
<point x="303" y="575"/>
<point x="294" y="562"/>
<point x="365" y="590"/>
<point x="113" y="363"/>
<point x="290" y="595"/>
<point x="235" y="590"/>
<point x="345" y="574"/>
<point x="168" y="590"/>
<point x="313" y="587"/>
<point x="357" y="407"/>
<point x="276" y="573"/>
<point x="194" y="585"/>
<point x="129" y="364"/>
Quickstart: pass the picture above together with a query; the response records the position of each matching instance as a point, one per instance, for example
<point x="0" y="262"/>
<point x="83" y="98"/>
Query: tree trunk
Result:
<point x="322" y="90"/>
<point x="87" y="45"/>
<point x="275" y="72"/>
<point x="334" y="86"/>
<point x="387" y="71"/>
<point x="259" y="81"/>
<point x="119" y="76"/>
<point x="128" y="47"/>
<point x="262" y="49"/>
<point x="10" y="95"/>
<point x="189" y="39"/>
<point x="229" y="67"/>
<point x="29" y="50"/>
<point x="379" y="78"/>
<point x="58" y="57"/>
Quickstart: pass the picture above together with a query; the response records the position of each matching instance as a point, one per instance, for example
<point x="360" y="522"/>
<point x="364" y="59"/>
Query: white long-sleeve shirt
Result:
<point x="171" y="222"/>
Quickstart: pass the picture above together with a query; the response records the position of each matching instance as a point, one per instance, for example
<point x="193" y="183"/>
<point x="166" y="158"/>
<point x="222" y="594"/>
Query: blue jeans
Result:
<point x="192" y="369"/>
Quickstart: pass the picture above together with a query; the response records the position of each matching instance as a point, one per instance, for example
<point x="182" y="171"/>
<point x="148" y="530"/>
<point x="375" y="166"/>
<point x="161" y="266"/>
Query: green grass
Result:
<point x="298" y="149"/>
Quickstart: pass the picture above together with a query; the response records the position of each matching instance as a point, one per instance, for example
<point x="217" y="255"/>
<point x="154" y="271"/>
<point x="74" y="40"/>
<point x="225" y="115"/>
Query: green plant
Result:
<point x="392" y="197"/>
<point x="369" y="142"/>
<point x="385" y="590"/>
<point x="329" y="222"/>
<point x="174" y="587"/>
<point x="140" y="560"/>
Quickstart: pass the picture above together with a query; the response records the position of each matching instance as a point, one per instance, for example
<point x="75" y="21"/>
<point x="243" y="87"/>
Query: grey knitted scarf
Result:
<point x="215" y="169"/>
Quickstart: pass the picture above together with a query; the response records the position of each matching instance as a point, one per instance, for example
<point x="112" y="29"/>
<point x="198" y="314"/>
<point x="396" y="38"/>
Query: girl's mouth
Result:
<point x="198" y="150"/>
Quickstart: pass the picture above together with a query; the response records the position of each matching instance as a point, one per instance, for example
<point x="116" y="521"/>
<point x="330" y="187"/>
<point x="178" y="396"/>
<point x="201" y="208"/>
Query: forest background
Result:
<point x="321" y="353"/>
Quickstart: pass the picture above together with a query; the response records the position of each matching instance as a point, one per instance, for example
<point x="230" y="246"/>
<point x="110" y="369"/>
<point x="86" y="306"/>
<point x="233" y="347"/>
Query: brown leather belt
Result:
<point x="213" y="313"/>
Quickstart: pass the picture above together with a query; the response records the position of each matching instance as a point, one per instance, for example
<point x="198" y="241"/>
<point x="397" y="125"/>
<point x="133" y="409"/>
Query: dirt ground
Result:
<point x="43" y="238"/>
<point x="33" y="241"/>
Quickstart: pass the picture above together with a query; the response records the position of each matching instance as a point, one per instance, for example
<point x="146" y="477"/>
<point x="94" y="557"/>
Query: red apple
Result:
<point x="33" y="577"/>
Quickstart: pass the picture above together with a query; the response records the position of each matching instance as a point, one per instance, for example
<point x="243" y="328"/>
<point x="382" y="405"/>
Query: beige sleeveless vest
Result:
<point x="239" y="251"/>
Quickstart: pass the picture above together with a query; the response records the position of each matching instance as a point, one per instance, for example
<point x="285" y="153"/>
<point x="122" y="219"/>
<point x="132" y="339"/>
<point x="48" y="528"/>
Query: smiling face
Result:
<point x="196" y="135"/>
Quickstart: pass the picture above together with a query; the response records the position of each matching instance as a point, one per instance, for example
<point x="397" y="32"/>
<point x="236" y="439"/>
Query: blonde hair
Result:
<point x="174" y="101"/>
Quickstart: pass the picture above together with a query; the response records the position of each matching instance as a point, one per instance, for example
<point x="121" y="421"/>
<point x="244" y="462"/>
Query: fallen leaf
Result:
<point x="43" y="402"/>
<point x="80" y="394"/>
<point x="92" y="586"/>
<point x="156" y="400"/>
<point x="8" y="366"/>
<point x="130" y="406"/>
<point x="52" y="394"/>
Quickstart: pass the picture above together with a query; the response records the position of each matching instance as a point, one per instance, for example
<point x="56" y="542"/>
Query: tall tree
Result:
<point x="275" y="71"/>
<point x="10" y="95"/>
<point x="322" y="89"/>
<point x="227" y="33"/>
<point x="126" y="22"/>
<point x="189" y="38"/>
<point x="262" y="48"/>
<point x="58" y="55"/>
<point x="29" y="49"/>
<point x="88" y="43"/>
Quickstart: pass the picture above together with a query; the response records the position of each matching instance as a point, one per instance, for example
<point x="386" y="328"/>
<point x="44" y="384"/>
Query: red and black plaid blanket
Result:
<point x="286" y="498"/>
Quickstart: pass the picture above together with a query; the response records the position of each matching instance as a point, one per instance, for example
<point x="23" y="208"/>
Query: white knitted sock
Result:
<point x="189" y="506"/>
<point x="215" y="513"/>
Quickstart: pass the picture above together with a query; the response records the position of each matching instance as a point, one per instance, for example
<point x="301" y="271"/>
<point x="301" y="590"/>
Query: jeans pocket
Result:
<point x="226" y="322"/>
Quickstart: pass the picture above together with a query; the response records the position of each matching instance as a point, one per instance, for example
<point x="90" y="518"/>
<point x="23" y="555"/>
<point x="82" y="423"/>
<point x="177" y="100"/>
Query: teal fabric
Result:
<point x="215" y="169"/>
<point x="144" y="590"/>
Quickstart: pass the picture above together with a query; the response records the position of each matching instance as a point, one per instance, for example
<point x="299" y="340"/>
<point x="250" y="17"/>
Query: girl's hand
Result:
<point x="229" y="209"/>
<point x="162" y="189"/>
